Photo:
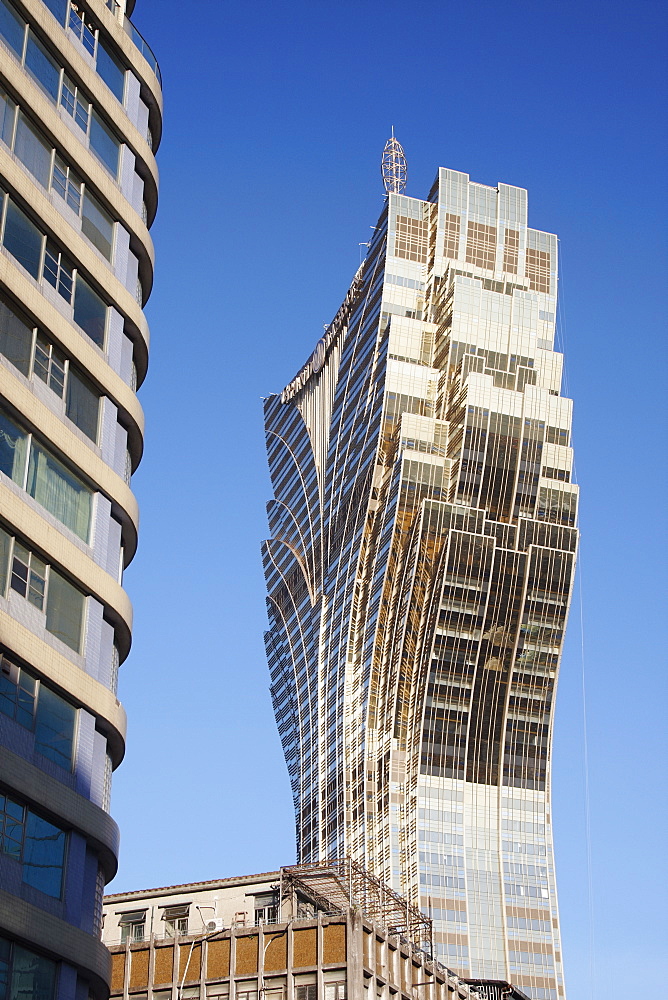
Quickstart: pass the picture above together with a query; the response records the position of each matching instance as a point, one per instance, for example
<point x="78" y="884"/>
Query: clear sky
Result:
<point x="275" y="120"/>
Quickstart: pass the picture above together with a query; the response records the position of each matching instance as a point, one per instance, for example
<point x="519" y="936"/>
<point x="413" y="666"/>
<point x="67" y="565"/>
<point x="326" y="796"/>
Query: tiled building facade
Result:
<point x="80" y="120"/>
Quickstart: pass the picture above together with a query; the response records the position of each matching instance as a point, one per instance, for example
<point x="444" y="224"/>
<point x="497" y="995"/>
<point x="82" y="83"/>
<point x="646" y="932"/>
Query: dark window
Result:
<point x="83" y="404"/>
<point x="64" y="611"/>
<point x="90" y="312"/>
<point x="97" y="225"/>
<point x="42" y="66"/>
<point x="104" y="143"/>
<point x="33" y="151"/>
<point x="110" y="70"/>
<point x="24" y="974"/>
<point x="7" y="113"/>
<point x="15" y="338"/>
<point x="12" y="449"/>
<point x="54" y="727"/>
<point x="12" y="27"/>
<point x="23" y="239"/>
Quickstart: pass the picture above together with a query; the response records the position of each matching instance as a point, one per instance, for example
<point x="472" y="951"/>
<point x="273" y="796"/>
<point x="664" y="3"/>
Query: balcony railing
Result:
<point x="136" y="37"/>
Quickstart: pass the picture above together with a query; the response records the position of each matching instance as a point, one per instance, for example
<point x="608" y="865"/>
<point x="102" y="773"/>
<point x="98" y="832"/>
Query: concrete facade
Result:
<point x="80" y="122"/>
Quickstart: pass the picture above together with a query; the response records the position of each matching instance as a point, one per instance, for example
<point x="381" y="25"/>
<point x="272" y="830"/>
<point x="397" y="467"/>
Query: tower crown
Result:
<point x="393" y="166"/>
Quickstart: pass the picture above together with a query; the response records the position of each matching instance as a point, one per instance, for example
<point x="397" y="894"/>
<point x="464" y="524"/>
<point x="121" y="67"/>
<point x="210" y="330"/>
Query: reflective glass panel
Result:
<point x="54" y="727"/>
<point x="97" y="225"/>
<point x="90" y="312"/>
<point x="43" y="855"/>
<point x="33" y="151"/>
<point x="104" y="143"/>
<point x="15" y="338"/>
<point x="83" y="404"/>
<point x="110" y="70"/>
<point x="12" y="27"/>
<point x="12" y="449"/>
<point x="64" y="610"/>
<point x="23" y="239"/>
<point x="42" y="66"/>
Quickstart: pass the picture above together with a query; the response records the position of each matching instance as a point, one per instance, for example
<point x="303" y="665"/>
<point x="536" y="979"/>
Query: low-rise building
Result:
<point x="307" y="932"/>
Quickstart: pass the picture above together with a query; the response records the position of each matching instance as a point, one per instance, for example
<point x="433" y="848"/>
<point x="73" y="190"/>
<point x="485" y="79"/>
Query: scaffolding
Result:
<point x="333" y="886"/>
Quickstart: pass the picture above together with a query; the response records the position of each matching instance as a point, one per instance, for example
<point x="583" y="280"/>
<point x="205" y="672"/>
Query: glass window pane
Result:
<point x="5" y="547"/>
<point x="15" y="338"/>
<point x="111" y="71"/>
<point x="7" y="112"/>
<point x="33" y="977"/>
<point x="90" y="312"/>
<point x="13" y="443"/>
<point x="42" y="66"/>
<point x="57" y="489"/>
<point x="12" y="27"/>
<point x="33" y="151"/>
<point x="58" y="8"/>
<point x="97" y="225"/>
<point x="83" y="404"/>
<point x="23" y="239"/>
<point x="64" y="610"/>
<point x="54" y="727"/>
<point x="104" y="144"/>
<point x="43" y="855"/>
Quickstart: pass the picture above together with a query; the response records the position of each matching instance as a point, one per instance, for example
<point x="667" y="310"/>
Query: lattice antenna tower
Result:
<point x="393" y="166"/>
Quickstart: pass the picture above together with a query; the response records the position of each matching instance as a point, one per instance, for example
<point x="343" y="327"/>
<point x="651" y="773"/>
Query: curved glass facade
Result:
<point x="419" y="570"/>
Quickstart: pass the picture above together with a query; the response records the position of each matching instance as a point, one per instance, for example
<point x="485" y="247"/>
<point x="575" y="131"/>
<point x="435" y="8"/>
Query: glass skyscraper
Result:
<point x="419" y="570"/>
<point x="80" y="120"/>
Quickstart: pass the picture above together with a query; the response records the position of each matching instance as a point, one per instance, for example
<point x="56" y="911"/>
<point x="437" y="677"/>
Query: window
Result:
<point x="45" y="69"/>
<point x="335" y="991"/>
<point x="36" y="707"/>
<point x="97" y="225"/>
<point x="104" y="144"/>
<point x="67" y="184"/>
<point x="47" y="167"/>
<point x="32" y="150"/>
<point x="59" y="271"/>
<point x="23" y="239"/>
<point x="36" y="843"/>
<point x="110" y="70"/>
<point x="266" y="909"/>
<point x="29" y="350"/>
<point x="25" y="242"/>
<point x="75" y="103"/>
<point x="24" y="572"/>
<point x="12" y="28"/>
<point x="23" y="973"/>
<point x="176" y="920"/>
<point x="82" y="27"/>
<point x="48" y="481"/>
<point x="49" y="365"/>
<point x="133" y="924"/>
<point x="90" y="312"/>
<point x="307" y="991"/>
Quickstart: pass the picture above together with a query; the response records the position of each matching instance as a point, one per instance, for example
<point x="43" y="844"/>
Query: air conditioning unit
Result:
<point x="215" y="924"/>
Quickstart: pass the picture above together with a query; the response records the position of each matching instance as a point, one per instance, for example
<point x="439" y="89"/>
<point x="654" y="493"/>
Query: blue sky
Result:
<point x="275" y="120"/>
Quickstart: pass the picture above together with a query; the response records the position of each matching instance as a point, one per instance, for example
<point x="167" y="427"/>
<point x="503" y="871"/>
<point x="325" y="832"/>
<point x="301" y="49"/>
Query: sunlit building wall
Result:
<point x="80" y="120"/>
<point x="419" y="570"/>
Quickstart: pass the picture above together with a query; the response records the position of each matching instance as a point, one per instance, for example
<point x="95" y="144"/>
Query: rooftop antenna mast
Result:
<point x="393" y="166"/>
